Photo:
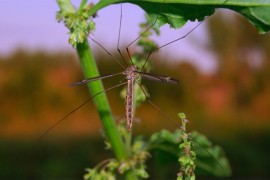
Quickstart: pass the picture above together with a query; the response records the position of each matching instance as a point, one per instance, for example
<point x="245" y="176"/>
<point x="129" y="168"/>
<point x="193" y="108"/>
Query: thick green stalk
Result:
<point x="83" y="3"/>
<point x="101" y="102"/>
<point x="102" y="105"/>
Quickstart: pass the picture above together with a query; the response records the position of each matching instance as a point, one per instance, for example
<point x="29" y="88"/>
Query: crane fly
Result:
<point x="131" y="73"/>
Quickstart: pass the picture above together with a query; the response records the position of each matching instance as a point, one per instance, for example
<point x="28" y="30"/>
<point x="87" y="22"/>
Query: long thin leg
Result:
<point x="115" y="59"/>
<point x="182" y="37"/>
<point x="147" y="29"/>
<point x="74" y="110"/>
<point x="156" y="107"/>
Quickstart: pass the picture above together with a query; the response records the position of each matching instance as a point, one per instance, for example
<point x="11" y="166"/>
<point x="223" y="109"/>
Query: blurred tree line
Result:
<point x="230" y="105"/>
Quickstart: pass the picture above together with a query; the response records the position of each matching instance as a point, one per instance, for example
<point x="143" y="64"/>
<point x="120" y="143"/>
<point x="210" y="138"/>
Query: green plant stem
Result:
<point x="128" y="142"/>
<point x="102" y="105"/>
<point x="83" y="3"/>
<point x="101" y="102"/>
<point x="66" y="6"/>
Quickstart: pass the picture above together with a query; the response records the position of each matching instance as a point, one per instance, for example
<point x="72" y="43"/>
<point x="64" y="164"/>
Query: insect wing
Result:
<point x="159" y="78"/>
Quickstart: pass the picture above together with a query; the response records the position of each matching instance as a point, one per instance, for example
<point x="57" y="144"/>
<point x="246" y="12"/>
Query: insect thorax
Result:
<point x="130" y="72"/>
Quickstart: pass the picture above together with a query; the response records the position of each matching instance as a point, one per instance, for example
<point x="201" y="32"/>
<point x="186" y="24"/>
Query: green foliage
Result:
<point x="191" y="150"/>
<point x="177" y="12"/>
<point x="77" y="21"/>
<point x="187" y="162"/>
<point x="211" y="159"/>
<point x="109" y="169"/>
<point x="258" y="16"/>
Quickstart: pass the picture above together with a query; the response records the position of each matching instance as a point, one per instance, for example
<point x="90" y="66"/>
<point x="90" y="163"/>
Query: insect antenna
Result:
<point x="74" y="110"/>
<point x="175" y="123"/>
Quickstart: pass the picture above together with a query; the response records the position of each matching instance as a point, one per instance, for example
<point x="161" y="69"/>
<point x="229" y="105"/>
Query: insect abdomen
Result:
<point x="130" y="103"/>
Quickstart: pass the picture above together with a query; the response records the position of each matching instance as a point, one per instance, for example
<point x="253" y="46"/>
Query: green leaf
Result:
<point x="210" y="159"/>
<point x="164" y="136"/>
<point x="112" y="165"/>
<point x="137" y="145"/>
<point x="141" y="172"/>
<point x="177" y="12"/>
<point x="181" y="115"/>
<point x="90" y="174"/>
<point x="258" y="16"/>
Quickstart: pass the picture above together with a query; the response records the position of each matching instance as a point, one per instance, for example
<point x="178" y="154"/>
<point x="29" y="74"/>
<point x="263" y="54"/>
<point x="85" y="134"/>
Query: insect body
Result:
<point x="130" y="76"/>
<point x="131" y="73"/>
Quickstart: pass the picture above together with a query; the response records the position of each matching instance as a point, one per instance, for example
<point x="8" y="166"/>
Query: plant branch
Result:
<point x="83" y="3"/>
<point x="102" y="105"/>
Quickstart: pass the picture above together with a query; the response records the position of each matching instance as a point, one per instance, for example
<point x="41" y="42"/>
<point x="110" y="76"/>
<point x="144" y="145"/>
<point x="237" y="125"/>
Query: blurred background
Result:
<point x="223" y="68"/>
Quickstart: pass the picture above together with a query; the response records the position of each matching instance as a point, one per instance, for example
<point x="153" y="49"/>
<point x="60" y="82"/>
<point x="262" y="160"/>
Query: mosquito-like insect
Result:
<point x="131" y="72"/>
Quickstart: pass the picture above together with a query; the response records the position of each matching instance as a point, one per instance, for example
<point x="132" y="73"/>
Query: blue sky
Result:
<point x="31" y="25"/>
